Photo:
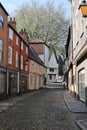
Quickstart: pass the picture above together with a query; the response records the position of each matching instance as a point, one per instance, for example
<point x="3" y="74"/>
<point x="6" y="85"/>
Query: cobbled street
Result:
<point x="44" y="110"/>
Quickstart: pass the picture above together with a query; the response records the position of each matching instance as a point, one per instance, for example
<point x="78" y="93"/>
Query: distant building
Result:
<point x="43" y="51"/>
<point x="52" y="70"/>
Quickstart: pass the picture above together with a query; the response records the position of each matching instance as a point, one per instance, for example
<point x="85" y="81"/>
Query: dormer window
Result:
<point x="1" y="21"/>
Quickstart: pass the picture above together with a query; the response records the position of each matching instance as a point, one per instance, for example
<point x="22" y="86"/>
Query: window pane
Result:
<point x="1" y="21"/>
<point x="17" y="40"/>
<point x="26" y="50"/>
<point x="21" y="62"/>
<point x="10" y="34"/>
<point x="51" y="69"/>
<point x="10" y="55"/>
<point x="22" y="45"/>
<point x="16" y="59"/>
<point x="1" y="49"/>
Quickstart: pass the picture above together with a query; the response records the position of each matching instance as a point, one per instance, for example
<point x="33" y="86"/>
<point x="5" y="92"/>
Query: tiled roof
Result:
<point x="35" y="40"/>
<point x="34" y="56"/>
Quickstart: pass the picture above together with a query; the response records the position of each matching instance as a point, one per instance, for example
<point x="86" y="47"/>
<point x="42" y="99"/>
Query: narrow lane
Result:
<point x="45" y="110"/>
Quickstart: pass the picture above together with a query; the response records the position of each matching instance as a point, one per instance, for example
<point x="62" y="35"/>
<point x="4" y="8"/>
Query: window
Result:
<point x="10" y="34"/>
<point x="33" y="63"/>
<point x="51" y="70"/>
<point x="1" y="21"/>
<point x="16" y="63"/>
<point x="21" y="62"/>
<point x="10" y="55"/>
<point x="21" y="45"/>
<point x="50" y="76"/>
<point x="81" y="76"/>
<point x="26" y="50"/>
<point x="1" y="49"/>
<point x="16" y="40"/>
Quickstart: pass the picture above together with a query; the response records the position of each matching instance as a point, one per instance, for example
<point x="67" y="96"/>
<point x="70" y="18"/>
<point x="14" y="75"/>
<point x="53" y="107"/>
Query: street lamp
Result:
<point x="83" y="7"/>
<point x="26" y="61"/>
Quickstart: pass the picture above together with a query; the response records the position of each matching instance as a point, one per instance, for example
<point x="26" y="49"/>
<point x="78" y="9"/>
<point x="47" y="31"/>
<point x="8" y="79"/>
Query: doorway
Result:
<point x="81" y="76"/>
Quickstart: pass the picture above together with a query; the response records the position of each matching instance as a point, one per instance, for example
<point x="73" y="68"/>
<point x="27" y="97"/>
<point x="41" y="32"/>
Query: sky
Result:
<point x="12" y="5"/>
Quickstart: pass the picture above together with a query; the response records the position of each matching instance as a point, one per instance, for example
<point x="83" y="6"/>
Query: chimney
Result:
<point x="12" y="22"/>
<point x="24" y="35"/>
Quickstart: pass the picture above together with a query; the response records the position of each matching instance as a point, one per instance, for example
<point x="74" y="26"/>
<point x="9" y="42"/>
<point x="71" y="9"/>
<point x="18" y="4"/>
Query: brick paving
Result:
<point x="42" y="110"/>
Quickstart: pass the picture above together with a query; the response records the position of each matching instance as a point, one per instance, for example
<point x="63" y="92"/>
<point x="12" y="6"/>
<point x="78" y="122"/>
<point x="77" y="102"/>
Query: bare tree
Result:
<point x="46" y="23"/>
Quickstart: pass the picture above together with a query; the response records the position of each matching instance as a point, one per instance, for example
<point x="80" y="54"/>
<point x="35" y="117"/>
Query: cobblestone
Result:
<point x="44" y="110"/>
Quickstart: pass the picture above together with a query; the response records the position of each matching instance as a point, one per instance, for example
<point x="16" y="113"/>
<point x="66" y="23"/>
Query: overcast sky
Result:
<point x="11" y="5"/>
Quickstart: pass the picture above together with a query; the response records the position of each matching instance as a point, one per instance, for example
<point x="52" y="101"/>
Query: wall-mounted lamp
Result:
<point x="27" y="61"/>
<point x="83" y="7"/>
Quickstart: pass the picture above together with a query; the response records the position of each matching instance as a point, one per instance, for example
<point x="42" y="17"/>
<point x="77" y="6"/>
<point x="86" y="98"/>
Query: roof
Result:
<point x="3" y="8"/>
<point x="34" y="56"/>
<point x="68" y="41"/>
<point x="36" y="41"/>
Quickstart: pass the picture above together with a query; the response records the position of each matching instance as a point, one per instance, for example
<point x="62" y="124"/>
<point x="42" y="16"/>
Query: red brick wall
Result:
<point x="39" y="48"/>
<point x="17" y="48"/>
<point x="3" y="35"/>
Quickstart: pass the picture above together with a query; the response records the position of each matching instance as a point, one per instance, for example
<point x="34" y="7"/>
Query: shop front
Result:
<point x="3" y="83"/>
<point x="12" y="83"/>
<point x="23" y="83"/>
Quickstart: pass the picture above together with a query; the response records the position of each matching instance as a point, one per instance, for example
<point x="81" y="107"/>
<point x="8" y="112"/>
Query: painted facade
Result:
<point x="52" y="70"/>
<point x="43" y="51"/>
<point x="37" y="70"/>
<point x="79" y="38"/>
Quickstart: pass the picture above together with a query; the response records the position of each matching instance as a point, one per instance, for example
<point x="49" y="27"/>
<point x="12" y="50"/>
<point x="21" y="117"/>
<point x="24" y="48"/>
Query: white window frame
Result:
<point x="10" y="34"/>
<point x="21" y="62"/>
<point x="1" y="21"/>
<point x="1" y="49"/>
<point x="33" y="63"/>
<point x="26" y="50"/>
<point x="16" y="59"/>
<point x="21" y="45"/>
<point x="16" y="40"/>
<point x="10" y="55"/>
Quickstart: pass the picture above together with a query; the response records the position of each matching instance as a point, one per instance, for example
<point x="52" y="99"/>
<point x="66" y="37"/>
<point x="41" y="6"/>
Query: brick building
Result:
<point x="17" y="56"/>
<point x="37" y="70"/>
<point x="16" y="59"/>
<point x="13" y="56"/>
<point x="3" y="51"/>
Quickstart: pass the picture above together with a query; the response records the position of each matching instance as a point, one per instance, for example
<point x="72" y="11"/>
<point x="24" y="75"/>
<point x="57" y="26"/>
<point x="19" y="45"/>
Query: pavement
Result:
<point x="76" y="106"/>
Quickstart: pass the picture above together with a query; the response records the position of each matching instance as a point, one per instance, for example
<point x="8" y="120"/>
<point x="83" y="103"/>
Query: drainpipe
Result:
<point x="7" y="82"/>
<point x="18" y="85"/>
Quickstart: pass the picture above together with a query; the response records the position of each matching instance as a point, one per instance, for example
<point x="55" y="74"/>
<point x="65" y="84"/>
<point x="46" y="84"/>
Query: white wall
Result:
<point x="52" y="63"/>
